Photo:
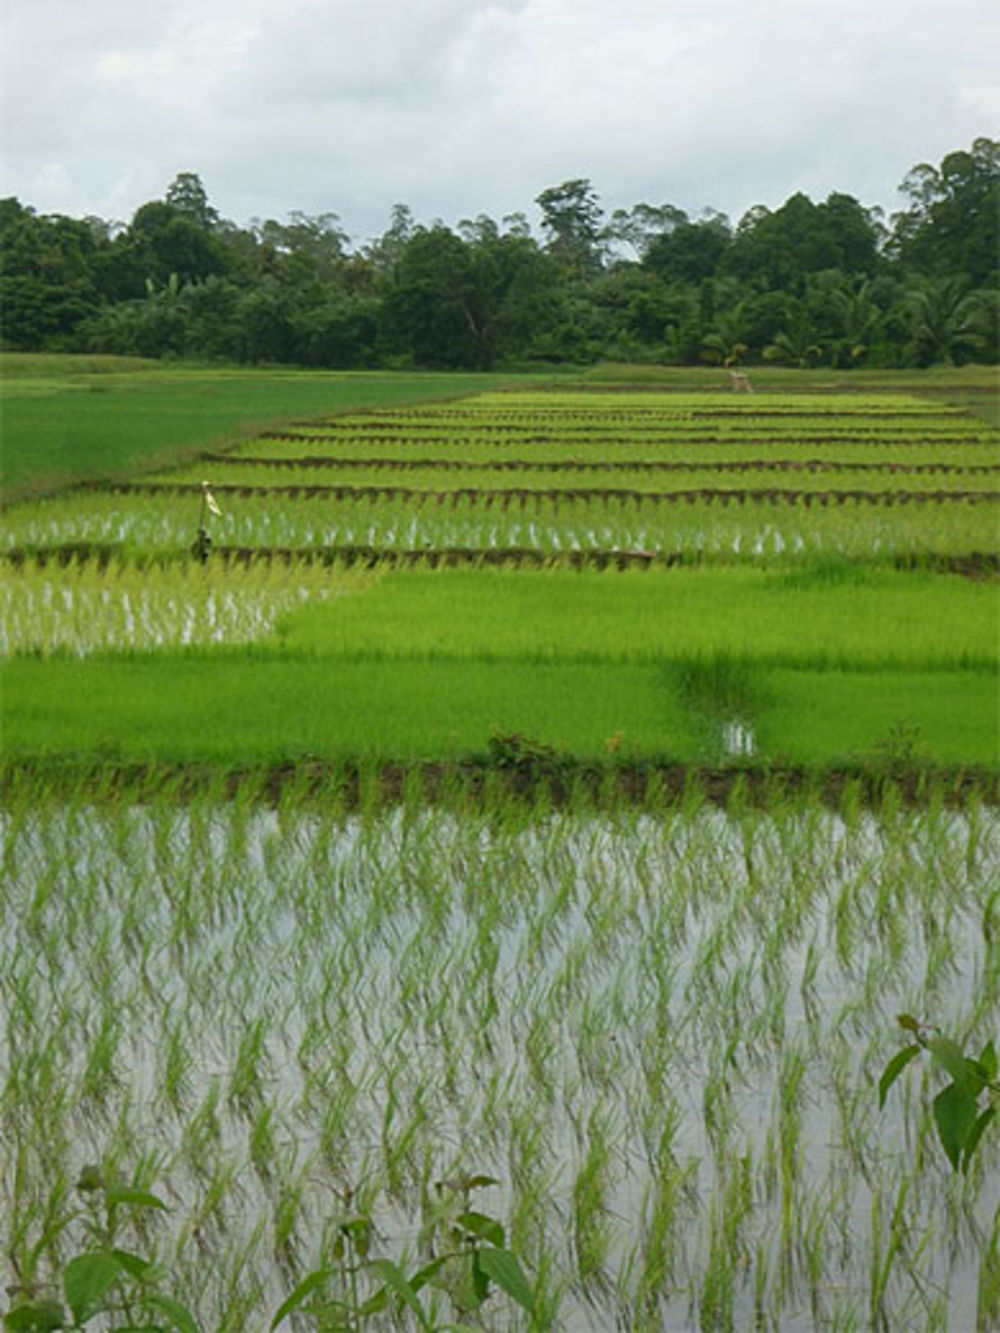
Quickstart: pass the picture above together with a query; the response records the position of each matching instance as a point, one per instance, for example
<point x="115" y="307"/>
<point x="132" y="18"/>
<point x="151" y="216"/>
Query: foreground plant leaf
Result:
<point x="955" y="1116"/>
<point x="893" y="1070"/>
<point x="180" y="1317"/>
<point x="950" y="1056"/>
<point x="975" y="1134"/>
<point x="396" y="1280"/>
<point x="139" y="1198"/>
<point x="87" y="1280"/>
<point x="305" y="1288"/>
<point x="481" y="1225"/>
<point x="42" y="1316"/>
<point x="506" y="1272"/>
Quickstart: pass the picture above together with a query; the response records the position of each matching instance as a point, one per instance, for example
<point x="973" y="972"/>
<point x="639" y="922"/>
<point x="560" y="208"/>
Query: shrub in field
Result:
<point x="524" y="755"/>
<point x="467" y="1260"/>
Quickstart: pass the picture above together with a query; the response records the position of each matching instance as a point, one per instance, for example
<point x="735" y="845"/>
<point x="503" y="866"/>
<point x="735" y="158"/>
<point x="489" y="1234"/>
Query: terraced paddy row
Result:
<point x="314" y="543"/>
<point x="691" y="527"/>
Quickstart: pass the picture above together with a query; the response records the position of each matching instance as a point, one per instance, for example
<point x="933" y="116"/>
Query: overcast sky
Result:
<point x="459" y="107"/>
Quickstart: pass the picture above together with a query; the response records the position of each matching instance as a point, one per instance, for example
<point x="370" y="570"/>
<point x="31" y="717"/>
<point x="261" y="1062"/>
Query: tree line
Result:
<point x="830" y="283"/>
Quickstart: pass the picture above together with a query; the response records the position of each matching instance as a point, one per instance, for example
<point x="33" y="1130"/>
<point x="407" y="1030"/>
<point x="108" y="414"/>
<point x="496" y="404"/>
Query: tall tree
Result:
<point x="780" y="249"/>
<point x="953" y="223"/>
<point x="188" y="197"/>
<point x="167" y="240"/>
<point x="643" y="225"/>
<point x="571" y="221"/>
<point x="690" y="251"/>
<point x="948" y="321"/>
<point x="47" y="285"/>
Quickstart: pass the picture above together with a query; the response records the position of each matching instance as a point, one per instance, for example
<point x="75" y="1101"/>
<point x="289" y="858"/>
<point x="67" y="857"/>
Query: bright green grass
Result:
<point x="234" y="709"/>
<point x="64" y="426"/>
<point x="949" y="717"/>
<point x="829" y="613"/>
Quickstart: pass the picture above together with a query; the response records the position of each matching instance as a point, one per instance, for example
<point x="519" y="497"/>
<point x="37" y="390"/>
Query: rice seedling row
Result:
<point x="693" y="525"/>
<point x="248" y="463"/>
<point x="352" y="431"/>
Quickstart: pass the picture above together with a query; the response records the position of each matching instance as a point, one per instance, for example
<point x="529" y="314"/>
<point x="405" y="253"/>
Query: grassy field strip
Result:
<point x="507" y="404"/>
<point x="237" y="468"/>
<point x="413" y="664"/>
<point x="233" y="707"/>
<point x="564" y="444"/>
<point x="67" y="427"/>
<point x="660" y="1031"/>
<point x="830" y="615"/>
<point x="469" y="448"/>
<point x="419" y="431"/>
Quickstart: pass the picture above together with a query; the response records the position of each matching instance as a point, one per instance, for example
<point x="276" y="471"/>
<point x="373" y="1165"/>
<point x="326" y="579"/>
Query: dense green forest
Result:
<point x="831" y="283"/>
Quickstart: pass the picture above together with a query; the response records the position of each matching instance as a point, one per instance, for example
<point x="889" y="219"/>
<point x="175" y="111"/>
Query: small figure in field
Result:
<point x="740" y="382"/>
<point x="202" y="544"/>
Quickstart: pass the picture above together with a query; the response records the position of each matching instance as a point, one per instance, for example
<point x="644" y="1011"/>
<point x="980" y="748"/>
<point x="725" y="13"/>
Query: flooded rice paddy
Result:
<point x="661" y="1032"/>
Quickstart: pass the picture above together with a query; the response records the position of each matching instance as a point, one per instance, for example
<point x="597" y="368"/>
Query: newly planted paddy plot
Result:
<point x="658" y="1032"/>
<point x="692" y="526"/>
<point x="85" y="608"/>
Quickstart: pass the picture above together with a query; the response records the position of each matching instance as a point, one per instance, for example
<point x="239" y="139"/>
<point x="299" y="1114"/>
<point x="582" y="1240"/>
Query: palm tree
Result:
<point x="724" y="346"/>
<point x="860" y="319"/>
<point x="795" y="345"/>
<point x="946" y="320"/>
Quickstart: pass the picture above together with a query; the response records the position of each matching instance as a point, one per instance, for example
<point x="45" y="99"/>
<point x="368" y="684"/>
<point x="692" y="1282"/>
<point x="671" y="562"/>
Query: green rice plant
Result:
<point x="726" y="1246"/>
<point x="887" y="1241"/>
<point x="86" y="608"/>
<point x="591" y="1232"/>
<point x="988" y="1280"/>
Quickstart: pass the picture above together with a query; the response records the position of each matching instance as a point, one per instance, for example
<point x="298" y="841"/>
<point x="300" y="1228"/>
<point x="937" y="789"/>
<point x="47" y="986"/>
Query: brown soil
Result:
<point x="971" y="564"/>
<point x="577" y="465"/>
<point x="476" y="495"/>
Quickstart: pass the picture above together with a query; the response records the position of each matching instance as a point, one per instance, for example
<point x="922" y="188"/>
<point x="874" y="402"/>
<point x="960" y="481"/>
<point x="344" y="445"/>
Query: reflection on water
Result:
<point x="737" y="738"/>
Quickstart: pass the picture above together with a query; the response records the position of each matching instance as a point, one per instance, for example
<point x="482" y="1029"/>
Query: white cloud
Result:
<point x="467" y="106"/>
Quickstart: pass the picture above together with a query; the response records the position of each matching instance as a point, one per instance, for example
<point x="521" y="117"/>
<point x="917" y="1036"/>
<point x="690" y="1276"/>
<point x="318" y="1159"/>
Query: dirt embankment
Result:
<point x="532" y="783"/>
